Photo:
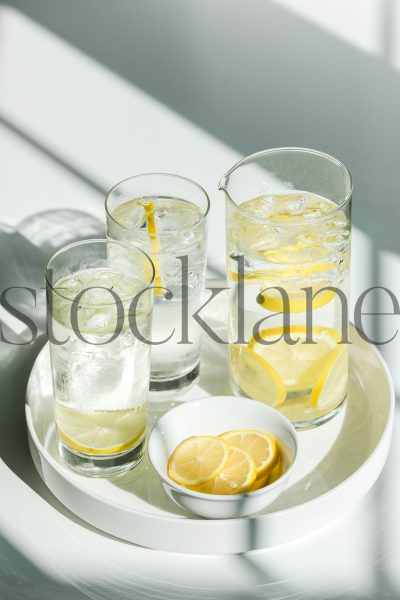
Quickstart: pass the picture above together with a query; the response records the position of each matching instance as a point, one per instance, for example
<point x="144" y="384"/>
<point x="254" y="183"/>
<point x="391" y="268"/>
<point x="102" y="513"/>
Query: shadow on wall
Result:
<point x="255" y="75"/>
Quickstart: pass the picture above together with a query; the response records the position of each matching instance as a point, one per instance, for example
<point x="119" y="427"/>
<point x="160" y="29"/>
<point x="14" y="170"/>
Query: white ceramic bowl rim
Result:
<point x="226" y="497"/>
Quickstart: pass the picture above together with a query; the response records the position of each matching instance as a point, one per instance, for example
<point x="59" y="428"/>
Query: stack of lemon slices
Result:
<point x="234" y="462"/>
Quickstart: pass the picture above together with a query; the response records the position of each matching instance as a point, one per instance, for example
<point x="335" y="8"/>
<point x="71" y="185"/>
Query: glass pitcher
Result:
<point x="288" y="254"/>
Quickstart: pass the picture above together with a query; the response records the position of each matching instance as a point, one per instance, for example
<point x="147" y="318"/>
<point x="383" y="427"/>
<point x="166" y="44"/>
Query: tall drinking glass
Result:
<point x="288" y="252"/>
<point x="166" y="216"/>
<point x="99" y="302"/>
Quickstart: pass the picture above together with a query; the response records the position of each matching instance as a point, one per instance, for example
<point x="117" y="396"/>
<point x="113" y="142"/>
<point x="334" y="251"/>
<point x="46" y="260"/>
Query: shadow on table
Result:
<point x="23" y="256"/>
<point x="32" y="583"/>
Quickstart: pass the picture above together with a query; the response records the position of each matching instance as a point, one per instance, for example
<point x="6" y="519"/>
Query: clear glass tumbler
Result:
<point x="99" y="303"/>
<point x="166" y="216"/>
<point x="288" y="252"/>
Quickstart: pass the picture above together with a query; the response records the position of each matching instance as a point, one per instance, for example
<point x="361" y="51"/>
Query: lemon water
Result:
<point x="292" y="240"/>
<point x="100" y="387"/>
<point x="168" y="228"/>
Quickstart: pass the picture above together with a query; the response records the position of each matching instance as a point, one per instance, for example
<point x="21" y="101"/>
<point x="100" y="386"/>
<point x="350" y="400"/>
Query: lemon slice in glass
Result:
<point x="251" y="276"/>
<point x="275" y="276"/>
<point x="298" y="365"/>
<point x="101" y="431"/>
<point x="332" y="381"/>
<point x="272" y="299"/>
<point x="255" y="376"/>
<point x="152" y="231"/>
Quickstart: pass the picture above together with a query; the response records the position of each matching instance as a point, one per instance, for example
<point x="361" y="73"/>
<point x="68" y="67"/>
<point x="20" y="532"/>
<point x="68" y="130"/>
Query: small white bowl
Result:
<point x="212" y="416"/>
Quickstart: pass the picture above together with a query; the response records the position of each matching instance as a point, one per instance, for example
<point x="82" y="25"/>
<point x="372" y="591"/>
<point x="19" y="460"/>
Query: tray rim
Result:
<point x="381" y="448"/>
<point x="387" y="430"/>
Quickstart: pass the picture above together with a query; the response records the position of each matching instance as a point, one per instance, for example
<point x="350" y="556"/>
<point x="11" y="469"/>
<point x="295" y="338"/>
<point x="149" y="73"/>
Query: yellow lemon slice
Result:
<point x="298" y="365"/>
<point x="277" y="470"/>
<point x="260" y="482"/>
<point x="247" y="277"/>
<point x="236" y="477"/>
<point x="152" y="230"/>
<point x="101" y="431"/>
<point x="332" y="382"/>
<point x="259" y="445"/>
<point x="271" y="475"/>
<point x="255" y="376"/>
<point x="277" y="275"/>
<point x="295" y="253"/>
<point x="197" y="460"/>
<point x="272" y="300"/>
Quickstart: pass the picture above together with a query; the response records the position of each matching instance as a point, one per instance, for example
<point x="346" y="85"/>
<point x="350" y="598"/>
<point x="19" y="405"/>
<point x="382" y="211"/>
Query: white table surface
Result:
<point x="68" y="130"/>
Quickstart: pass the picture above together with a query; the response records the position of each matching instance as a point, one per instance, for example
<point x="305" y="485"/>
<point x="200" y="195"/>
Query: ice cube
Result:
<point x="296" y="205"/>
<point x="68" y="286"/>
<point x="131" y="214"/>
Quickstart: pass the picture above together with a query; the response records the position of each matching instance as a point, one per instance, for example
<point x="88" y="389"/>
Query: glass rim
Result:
<point x="173" y="175"/>
<point x="295" y="223"/>
<point x="97" y="241"/>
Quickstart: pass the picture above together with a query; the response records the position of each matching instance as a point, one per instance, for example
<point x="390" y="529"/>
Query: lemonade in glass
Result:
<point x="100" y="366"/>
<point x="166" y="216"/>
<point x="288" y="252"/>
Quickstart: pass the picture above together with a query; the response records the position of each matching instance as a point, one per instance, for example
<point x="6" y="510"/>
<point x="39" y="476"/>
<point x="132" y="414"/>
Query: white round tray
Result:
<point x="338" y="463"/>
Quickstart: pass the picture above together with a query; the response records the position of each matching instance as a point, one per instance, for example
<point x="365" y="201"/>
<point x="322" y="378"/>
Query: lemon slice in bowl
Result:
<point x="237" y="476"/>
<point x="260" y="482"/>
<point x="298" y="365"/>
<point x="255" y="376"/>
<point x="197" y="459"/>
<point x="259" y="445"/>
<point x="332" y="382"/>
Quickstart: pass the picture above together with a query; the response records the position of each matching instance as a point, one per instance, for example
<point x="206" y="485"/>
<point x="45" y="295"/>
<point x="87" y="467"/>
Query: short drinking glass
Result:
<point x="99" y="303"/>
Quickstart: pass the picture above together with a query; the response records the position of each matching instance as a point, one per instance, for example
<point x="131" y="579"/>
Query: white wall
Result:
<point x="259" y="73"/>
